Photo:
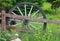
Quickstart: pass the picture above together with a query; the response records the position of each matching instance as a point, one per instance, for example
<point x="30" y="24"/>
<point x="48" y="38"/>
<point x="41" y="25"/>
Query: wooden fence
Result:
<point x="3" y="15"/>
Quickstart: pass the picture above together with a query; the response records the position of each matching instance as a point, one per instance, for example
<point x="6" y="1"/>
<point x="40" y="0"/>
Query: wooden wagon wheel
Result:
<point x="31" y="10"/>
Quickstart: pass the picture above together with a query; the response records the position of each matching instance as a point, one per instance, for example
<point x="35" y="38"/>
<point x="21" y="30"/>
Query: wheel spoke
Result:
<point x="25" y="10"/>
<point x="13" y="13"/>
<point x="30" y="10"/>
<point x="18" y="23"/>
<point x="35" y="13"/>
<point x="32" y="26"/>
<point x="20" y="11"/>
<point x="29" y="27"/>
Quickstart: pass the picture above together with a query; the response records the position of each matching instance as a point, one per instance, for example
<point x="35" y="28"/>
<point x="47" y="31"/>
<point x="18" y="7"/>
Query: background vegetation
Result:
<point x="52" y="10"/>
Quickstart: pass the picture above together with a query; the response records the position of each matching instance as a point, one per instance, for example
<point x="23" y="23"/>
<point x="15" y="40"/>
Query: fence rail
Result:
<point x="30" y="18"/>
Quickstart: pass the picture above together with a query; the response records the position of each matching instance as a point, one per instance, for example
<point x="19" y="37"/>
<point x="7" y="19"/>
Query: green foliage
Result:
<point x="46" y="7"/>
<point x="52" y="32"/>
<point x="52" y="3"/>
<point x="56" y="4"/>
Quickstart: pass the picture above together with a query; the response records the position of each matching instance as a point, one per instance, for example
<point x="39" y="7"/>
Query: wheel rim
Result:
<point x="31" y="10"/>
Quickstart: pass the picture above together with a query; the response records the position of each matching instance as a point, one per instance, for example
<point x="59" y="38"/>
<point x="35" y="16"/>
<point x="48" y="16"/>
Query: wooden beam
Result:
<point x="31" y="18"/>
<point x="19" y="29"/>
<point x="3" y="23"/>
<point x="0" y="18"/>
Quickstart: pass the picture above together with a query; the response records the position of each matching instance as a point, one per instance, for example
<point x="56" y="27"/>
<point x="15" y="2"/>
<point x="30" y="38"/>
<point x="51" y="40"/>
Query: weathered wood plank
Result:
<point x="3" y="22"/>
<point x="0" y="18"/>
<point x="19" y="29"/>
<point x="32" y="18"/>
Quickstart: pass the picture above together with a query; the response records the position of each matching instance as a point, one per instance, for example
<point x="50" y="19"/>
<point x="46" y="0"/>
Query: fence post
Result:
<point x="3" y="23"/>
